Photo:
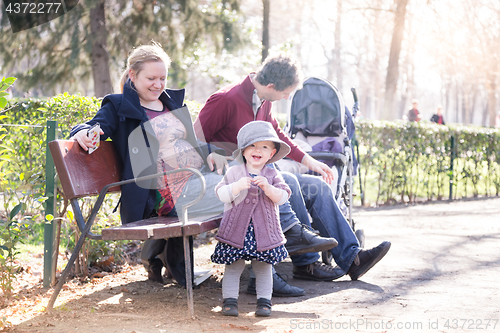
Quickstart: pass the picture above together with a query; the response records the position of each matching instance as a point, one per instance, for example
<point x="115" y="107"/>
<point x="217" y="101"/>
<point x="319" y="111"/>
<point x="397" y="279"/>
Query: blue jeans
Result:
<point x="310" y="194"/>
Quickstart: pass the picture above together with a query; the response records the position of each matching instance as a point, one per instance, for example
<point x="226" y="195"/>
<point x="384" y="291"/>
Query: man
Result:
<point x="227" y="110"/>
<point x="414" y="114"/>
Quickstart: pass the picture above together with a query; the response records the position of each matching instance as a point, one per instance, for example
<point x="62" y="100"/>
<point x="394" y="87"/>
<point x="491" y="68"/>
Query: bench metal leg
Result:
<point x="67" y="270"/>
<point x="189" y="274"/>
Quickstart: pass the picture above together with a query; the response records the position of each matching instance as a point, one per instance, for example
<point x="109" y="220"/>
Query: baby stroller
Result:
<point x="321" y="124"/>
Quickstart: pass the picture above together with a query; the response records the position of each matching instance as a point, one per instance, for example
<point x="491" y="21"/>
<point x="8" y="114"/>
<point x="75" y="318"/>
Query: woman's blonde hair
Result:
<point x="141" y="55"/>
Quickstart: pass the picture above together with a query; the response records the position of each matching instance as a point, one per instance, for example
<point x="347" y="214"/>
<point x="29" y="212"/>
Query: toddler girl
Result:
<point x="250" y="228"/>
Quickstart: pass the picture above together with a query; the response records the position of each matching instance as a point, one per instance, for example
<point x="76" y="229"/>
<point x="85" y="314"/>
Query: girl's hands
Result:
<point x="261" y="182"/>
<point x="242" y="184"/>
<point x="83" y="140"/>
<point x="275" y="194"/>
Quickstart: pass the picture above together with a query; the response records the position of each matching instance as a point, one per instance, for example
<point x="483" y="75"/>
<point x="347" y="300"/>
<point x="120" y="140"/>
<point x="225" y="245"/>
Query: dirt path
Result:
<point x="441" y="275"/>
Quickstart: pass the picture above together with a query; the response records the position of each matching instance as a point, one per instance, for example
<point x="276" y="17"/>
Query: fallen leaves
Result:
<point x="238" y="327"/>
<point x="106" y="265"/>
<point x="99" y="275"/>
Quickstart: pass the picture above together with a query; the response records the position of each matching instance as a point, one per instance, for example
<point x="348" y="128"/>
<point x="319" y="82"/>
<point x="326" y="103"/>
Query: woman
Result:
<point x="146" y="118"/>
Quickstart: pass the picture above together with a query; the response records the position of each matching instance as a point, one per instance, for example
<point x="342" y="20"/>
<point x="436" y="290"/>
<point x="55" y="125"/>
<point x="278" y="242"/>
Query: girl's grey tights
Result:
<point x="263" y="279"/>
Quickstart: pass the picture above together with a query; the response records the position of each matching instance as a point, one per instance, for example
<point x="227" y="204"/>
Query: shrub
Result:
<point x="409" y="161"/>
<point x="22" y="164"/>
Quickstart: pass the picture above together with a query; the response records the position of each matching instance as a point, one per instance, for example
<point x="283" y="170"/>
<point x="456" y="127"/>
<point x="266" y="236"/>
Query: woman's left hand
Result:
<point x="218" y="161"/>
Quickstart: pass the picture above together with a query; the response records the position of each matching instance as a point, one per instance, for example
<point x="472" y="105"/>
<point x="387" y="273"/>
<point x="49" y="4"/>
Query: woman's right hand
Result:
<point x="83" y="140"/>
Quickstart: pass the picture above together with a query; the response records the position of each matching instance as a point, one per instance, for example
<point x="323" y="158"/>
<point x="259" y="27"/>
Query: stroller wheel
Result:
<point x="360" y="235"/>
<point x="327" y="257"/>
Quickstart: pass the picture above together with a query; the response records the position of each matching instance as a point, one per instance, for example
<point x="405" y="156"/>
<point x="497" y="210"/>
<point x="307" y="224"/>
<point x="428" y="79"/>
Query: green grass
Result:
<point x="27" y="251"/>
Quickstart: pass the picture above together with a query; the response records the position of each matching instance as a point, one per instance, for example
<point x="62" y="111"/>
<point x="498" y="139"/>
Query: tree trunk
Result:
<point x="473" y="103"/>
<point x="391" y="80"/>
<point x="375" y="75"/>
<point x="408" y="90"/>
<point x="99" y="53"/>
<point x="265" y="29"/>
<point x="447" y="87"/>
<point x="485" y="115"/>
<point x="465" y="104"/>
<point x="491" y="88"/>
<point x="338" y="45"/>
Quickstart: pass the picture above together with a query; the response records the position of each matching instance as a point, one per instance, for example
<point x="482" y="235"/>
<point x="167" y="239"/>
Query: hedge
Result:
<point x="408" y="161"/>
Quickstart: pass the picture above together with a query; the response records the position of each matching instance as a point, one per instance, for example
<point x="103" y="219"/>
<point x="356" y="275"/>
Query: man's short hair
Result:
<point x="282" y="70"/>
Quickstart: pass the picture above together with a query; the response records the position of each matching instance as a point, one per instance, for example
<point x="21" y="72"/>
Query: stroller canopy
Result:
<point x="318" y="109"/>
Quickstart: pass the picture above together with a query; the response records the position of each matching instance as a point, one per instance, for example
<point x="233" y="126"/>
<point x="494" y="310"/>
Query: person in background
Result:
<point x="414" y="114"/>
<point x="438" y="117"/>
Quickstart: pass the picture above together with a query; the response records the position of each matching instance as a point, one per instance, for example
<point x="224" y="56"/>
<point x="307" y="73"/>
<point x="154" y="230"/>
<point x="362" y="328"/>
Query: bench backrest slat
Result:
<point x="83" y="174"/>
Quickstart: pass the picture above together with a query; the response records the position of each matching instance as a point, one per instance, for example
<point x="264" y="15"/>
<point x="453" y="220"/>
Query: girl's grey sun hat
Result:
<point x="255" y="131"/>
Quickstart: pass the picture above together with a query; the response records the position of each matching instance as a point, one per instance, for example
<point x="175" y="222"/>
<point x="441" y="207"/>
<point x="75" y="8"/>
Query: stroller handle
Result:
<point x="355" y="107"/>
<point x="354" y="94"/>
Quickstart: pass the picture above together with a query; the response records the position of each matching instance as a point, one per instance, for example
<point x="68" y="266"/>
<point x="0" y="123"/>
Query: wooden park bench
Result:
<point x="82" y="175"/>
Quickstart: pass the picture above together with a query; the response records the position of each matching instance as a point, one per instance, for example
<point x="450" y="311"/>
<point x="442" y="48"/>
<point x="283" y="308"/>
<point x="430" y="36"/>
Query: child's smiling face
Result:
<point x="259" y="153"/>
